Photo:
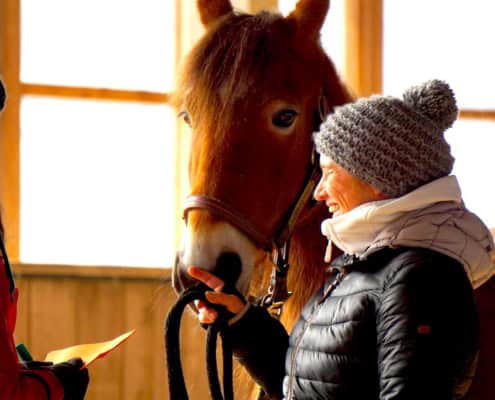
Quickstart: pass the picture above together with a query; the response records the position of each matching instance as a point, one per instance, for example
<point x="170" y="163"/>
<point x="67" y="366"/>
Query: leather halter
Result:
<point x="222" y="209"/>
<point x="279" y="243"/>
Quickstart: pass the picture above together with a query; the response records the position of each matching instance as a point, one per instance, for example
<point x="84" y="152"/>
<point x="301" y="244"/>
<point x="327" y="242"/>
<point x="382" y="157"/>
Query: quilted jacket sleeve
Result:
<point x="427" y="329"/>
<point x="260" y="344"/>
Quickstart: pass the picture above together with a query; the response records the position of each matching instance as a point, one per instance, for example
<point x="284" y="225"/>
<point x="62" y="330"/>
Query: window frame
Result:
<point x="10" y="16"/>
<point x="188" y="30"/>
<point x="363" y="70"/>
<point x="364" y="53"/>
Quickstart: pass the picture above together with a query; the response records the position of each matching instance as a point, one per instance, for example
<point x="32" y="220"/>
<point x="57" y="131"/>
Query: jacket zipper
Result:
<point x="328" y="291"/>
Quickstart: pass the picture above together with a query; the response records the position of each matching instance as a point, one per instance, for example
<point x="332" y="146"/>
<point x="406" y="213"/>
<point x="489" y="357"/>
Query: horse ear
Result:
<point x="211" y="10"/>
<point x="309" y="16"/>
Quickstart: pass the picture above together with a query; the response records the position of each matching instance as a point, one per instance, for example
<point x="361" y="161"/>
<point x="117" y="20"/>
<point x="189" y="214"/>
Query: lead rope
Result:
<point x="176" y="384"/>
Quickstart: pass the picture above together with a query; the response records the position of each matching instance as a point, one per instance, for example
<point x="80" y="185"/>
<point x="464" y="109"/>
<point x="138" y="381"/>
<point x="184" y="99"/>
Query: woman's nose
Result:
<point x="319" y="193"/>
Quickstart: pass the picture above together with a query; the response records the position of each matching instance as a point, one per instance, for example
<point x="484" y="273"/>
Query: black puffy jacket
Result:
<point x="402" y="324"/>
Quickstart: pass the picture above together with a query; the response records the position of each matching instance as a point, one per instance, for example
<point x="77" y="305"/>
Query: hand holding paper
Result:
<point x="88" y="352"/>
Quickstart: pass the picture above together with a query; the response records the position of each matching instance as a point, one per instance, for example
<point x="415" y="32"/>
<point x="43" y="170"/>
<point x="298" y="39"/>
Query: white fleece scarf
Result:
<point x="355" y="231"/>
<point x="412" y="220"/>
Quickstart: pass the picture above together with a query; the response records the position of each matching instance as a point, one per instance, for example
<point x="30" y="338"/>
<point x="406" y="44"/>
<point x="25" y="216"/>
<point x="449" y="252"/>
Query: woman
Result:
<point x="31" y="380"/>
<point x="396" y="318"/>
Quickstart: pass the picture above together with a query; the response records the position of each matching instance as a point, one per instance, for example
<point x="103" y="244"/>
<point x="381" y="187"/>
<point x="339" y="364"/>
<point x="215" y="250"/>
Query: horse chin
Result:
<point x="222" y="250"/>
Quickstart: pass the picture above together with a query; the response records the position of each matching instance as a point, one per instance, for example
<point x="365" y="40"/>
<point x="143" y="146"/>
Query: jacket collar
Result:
<point x="433" y="216"/>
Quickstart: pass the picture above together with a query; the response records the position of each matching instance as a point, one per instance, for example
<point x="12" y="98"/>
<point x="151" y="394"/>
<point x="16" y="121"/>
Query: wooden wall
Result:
<point x="63" y="306"/>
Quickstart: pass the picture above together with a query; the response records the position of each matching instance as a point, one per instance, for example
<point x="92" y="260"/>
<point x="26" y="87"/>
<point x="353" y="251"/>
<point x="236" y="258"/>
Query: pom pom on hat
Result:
<point x="394" y="145"/>
<point x="435" y="100"/>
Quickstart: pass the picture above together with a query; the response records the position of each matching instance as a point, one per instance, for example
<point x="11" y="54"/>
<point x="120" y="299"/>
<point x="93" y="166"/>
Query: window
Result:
<point x="97" y="161"/>
<point x="96" y="178"/>
<point x="332" y="33"/>
<point x="448" y="40"/>
<point x="92" y="159"/>
<point x="387" y="45"/>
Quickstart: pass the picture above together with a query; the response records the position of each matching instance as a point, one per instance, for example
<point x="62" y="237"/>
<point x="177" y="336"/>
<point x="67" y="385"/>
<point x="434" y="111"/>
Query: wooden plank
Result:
<point x="53" y="323"/>
<point x="22" y="329"/>
<point x="100" y="311"/>
<point x="192" y="341"/>
<point x="77" y="271"/>
<point x="162" y="299"/>
<point x="63" y="312"/>
<point x="9" y="124"/>
<point x="193" y="354"/>
<point x="138" y="353"/>
<point x="488" y="115"/>
<point x="363" y="44"/>
<point x="87" y="93"/>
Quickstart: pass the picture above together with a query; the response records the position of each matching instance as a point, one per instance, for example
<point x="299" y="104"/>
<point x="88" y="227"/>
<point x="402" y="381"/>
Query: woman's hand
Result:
<point x="231" y="302"/>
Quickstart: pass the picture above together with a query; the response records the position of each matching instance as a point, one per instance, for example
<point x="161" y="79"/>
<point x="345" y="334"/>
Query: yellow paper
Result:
<point x="88" y="352"/>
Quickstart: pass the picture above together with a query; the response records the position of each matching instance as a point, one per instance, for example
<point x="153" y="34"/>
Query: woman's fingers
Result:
<point x="206" y="314"/>
<point x="208" y="279"/>
<point x="231" y="302"/>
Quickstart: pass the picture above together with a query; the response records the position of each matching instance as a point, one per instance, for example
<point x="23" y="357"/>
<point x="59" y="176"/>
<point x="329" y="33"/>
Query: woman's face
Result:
<point x="342" y="191"/>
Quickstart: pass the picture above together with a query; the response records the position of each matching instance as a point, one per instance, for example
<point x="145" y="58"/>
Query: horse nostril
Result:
<point x="228" y="268"/>
<point x="180" y="278"/>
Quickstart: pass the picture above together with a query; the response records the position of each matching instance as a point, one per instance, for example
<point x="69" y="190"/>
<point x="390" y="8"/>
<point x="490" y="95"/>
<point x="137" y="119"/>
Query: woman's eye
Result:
<point x="284" y="118"/>
<point x="185" y="116"/>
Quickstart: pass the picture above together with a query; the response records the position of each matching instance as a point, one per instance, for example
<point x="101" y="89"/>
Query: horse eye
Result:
<point x="185" y="116"/>
<point x="284" y="118"/>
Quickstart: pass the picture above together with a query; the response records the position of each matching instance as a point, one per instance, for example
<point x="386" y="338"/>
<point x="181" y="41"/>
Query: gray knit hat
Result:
<point x="394" y="145"/>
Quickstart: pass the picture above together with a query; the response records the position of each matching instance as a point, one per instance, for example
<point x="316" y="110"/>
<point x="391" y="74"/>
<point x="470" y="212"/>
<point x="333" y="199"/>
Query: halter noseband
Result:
<point x="278" y="245"/>
<point x="227" y="212"/>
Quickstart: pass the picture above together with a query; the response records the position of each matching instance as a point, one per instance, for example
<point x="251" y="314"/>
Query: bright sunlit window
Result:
<point x="449" y="40"/>
<point x="97" y="176"/>
<point x="332" y="33"/>
<point x="446" y="39"/>
<point x="472" y="143"/>
<point x="118" y="44"/>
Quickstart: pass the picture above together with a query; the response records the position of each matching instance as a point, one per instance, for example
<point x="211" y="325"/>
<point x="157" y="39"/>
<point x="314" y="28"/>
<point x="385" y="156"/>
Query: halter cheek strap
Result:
<point x="278" y="292"/>
<point x="279" y="245"/>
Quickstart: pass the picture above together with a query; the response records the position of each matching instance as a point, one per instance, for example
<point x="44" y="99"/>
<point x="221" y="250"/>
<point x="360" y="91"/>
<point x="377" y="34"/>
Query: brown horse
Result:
<point x="253" y="90"/>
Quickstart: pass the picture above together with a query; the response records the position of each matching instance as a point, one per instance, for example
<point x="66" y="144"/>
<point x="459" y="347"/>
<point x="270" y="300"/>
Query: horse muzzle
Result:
<point x="227" y="267"/>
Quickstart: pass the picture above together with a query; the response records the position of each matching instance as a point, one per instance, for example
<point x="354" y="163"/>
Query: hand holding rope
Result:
<point x="177" y="387"/>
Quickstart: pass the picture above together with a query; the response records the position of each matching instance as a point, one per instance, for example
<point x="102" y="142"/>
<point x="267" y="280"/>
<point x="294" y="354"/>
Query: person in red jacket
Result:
<point x="30" y="380"/>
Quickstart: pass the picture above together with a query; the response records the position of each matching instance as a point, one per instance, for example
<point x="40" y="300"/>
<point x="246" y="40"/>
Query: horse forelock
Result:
<point x="228" y="64"/>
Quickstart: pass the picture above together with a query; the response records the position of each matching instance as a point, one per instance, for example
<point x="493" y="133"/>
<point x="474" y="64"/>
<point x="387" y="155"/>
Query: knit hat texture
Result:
<point x="394" y="145"/>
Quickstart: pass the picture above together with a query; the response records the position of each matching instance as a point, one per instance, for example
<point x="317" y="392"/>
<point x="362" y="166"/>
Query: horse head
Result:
<point x="252" y="90"/>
